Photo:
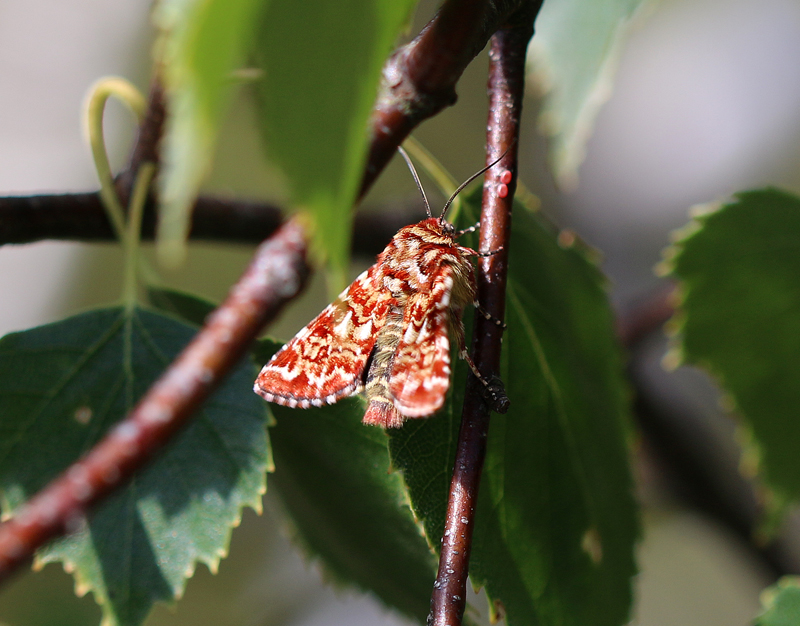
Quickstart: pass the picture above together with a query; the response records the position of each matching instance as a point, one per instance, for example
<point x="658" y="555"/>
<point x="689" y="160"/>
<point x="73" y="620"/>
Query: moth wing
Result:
<point x="325" y="361"/>
<point x="421" y="369"/>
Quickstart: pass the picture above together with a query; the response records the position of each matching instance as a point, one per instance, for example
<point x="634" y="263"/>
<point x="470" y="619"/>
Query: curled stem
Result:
<point x="99" y="94"/>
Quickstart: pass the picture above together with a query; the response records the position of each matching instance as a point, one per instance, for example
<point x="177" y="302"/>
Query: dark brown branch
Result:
<point x="419" y="79"/>
<point x="80" y="217"/>
<point x="151" y="130"/>
<point x="506" y="87"/>
<point x="276" y="274"/>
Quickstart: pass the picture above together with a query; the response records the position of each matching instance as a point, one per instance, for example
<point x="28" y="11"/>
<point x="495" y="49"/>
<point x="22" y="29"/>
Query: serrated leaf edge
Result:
<point x="82" y="584"/>
<point x="774" y="502"/>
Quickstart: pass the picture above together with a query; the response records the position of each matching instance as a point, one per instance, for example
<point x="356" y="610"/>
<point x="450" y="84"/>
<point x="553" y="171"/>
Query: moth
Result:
<point x="388" y="333"/>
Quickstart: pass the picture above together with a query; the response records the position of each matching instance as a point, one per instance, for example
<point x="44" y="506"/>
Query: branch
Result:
<point x="275" y="276"/>
<point x="80" y="217"/>
<point x="506" y="87"/>
<point x="419" y="78"/>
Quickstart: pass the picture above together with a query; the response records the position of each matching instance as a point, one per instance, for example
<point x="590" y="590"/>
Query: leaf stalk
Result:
<point x="98" y="95"/>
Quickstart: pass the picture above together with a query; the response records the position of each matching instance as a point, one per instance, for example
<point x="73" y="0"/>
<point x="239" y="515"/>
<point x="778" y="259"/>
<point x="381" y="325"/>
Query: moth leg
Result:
<point x="488" y="316"/>
<point x="462" y="354"/>
<point x="471" y="229"/>
<point x="493" y="390"/>
<point x="489" y="253"/>
<point x="496" y="393"/>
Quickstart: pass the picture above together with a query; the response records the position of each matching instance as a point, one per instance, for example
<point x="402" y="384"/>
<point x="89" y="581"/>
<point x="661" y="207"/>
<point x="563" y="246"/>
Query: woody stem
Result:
<point x="80" y="217"/>
<point x="420" y="78"/>
<point x="506" y="84"/>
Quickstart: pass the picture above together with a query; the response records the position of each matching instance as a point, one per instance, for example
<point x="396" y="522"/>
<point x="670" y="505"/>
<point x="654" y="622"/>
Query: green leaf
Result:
<point x="738" y="268"/>
<point x="322" y="63"/>
<point x="574" y="56"/>
<point x="185" y="306"/>
<point x="349" y="508"/>
<point x="201" y="44"/>
<point x="781" y="604"/>
<point x="62" y="386"/>
<point x="556" y="522"/>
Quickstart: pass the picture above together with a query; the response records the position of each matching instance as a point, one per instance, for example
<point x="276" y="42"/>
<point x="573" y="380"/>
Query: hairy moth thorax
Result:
<point x="388" y="334"/>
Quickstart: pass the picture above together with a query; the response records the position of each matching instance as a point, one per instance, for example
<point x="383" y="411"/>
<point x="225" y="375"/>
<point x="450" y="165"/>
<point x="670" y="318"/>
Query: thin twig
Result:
<point x="642" y="320"/>
<point x="80" y="217"/>
<point x="506" y="86"/>
<point x="276" y="274"/>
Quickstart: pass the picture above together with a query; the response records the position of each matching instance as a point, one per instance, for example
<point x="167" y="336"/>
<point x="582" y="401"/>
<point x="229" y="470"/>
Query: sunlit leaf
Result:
<point x="322" y="63"/>
<point x="62" y="386"/>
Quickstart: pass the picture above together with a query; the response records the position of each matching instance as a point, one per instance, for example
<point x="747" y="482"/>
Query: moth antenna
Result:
<point x="404" y="154"/>
<point x="468" y="181"/>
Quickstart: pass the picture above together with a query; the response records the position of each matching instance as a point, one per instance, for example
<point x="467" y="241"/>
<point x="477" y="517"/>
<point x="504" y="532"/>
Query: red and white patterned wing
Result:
<point x="325" y="361"/>
<point x="421" y="369"/>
